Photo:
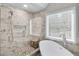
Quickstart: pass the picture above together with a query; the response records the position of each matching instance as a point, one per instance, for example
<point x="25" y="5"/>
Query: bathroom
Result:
<point x="24" y="26"/>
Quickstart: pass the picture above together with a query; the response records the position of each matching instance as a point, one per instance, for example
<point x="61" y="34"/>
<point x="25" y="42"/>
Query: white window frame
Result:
<point x="73" y="26"/>
<point x="31" y="33"/>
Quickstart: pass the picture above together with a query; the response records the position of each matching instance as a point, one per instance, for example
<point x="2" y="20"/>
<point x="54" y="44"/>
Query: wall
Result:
<point x="77" y="23"/>
<point x="38" y="23"/>
<point x="12" y="21"/>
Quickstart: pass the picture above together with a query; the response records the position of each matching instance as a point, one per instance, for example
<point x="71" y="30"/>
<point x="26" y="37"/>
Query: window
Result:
<point x="36" y="26"/>
<point x="61" y="22"/>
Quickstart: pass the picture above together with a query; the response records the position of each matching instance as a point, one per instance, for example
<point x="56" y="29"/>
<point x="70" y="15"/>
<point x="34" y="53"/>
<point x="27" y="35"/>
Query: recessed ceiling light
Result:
<point x="25" y="6"/>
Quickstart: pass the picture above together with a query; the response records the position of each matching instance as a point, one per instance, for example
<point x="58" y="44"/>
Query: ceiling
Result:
<point x="31" y="7"/>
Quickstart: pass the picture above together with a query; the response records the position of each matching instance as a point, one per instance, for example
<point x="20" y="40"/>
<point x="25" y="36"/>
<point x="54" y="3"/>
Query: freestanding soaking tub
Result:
<point x="51" y="48"/>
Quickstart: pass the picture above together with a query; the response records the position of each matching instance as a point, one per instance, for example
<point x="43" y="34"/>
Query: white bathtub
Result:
<point x="51" y="48"/>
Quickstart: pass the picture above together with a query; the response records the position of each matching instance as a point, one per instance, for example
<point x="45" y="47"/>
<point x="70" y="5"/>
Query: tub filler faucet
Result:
<point x="64" y="39"/>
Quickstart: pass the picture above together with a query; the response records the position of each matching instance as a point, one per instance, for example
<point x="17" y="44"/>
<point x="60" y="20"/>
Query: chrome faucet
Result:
<point x="64" y="39"/>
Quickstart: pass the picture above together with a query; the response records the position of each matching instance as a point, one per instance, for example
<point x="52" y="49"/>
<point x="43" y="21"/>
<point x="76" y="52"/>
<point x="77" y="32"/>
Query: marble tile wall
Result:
<point x="41" y="26"/>
<point x="9" y="44"/>
<point x="37" y="23"/>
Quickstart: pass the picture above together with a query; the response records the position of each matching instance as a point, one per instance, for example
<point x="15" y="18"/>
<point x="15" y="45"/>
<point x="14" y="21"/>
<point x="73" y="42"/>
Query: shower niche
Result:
<point x="19" y="31"/>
